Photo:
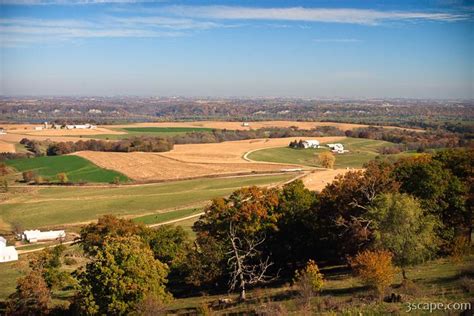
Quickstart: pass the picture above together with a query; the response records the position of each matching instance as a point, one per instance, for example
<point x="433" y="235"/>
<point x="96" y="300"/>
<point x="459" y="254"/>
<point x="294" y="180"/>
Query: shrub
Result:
<point x="459" y="248"/>
<point x="375" y="268"/>
<point x="326" y="159"/>
<point x="39" y="180"/>
<point x="62" y="177"/>
<point x="69" y="261"/>
<point x="309" y="282"/>
<point x="28" y="176"/>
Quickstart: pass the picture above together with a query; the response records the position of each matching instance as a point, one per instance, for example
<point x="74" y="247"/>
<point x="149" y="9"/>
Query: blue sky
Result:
<point x="416" y="49"/>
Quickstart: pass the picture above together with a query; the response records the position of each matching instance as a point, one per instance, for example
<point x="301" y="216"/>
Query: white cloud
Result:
<point x="345" y="15"/>
<point x="22" y="31"/>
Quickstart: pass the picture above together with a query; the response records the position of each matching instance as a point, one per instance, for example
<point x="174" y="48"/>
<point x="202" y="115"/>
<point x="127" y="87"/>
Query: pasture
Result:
<point x="61" y="206"/>
<point x="77" y="169"/>
<point x="166" y="216"/>
<point x="360" y="152"/>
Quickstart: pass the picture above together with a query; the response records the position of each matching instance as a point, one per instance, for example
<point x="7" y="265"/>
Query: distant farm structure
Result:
<point x="305" y="144"/>
<point x="337" y="148"/>
<point x="7" y="253"/>
<point x="47" y="125"/>
<point x="37" y="235"/>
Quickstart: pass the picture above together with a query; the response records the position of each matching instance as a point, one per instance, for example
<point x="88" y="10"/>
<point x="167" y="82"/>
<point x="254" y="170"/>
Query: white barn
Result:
<point x="311" y="143"/>
<point x="81" y="126"/>
<point x="7" y="253"/>
<point x="337" y="148"/>
<point x="37" y="235"/>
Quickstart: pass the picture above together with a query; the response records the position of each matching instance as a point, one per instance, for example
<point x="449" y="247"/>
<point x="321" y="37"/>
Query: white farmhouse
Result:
<point x="3" y="131"/>
<point x="311" y="143"/>
<point x="36" y="235"/>
<point x="7" y="253"/>
<point x="337" y="148"/>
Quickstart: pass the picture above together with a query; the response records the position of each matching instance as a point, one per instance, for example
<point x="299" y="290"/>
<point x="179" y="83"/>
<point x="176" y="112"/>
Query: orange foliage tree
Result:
<point x="375" y="268"/>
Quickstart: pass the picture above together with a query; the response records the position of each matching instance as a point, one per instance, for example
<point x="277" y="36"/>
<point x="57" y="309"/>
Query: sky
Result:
<point x="272" y="48"/>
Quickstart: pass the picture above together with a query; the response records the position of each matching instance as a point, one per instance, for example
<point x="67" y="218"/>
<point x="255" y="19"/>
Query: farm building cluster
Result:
<point x="336" y="148"/>
<point x="9" y="253"/>
<point x="47" y="125"/>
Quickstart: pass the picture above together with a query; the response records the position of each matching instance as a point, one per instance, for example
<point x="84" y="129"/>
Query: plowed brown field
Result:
<point x="150" y="166"/>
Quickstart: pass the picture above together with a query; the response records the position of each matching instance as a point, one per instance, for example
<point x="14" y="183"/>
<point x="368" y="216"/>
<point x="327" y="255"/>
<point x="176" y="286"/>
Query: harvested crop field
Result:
<point x="227" y="152"/>
<point x="7" y="147"/>
<point x="316" y="181"/>
<point x="152" y="166"/>
<point x="193" y="160"/>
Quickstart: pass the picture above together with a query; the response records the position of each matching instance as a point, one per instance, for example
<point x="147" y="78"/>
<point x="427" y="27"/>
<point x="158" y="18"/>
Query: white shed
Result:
<point x="7" y="253"/>
<point x="36" y="235"/>
<point x="311" y="143"/>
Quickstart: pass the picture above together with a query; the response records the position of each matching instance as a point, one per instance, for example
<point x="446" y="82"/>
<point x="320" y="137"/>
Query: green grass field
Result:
<point x="360" y="152"/>
<point x="77" y="168"/>
<point x="149" y="131"/>
<point x="56" y="206"/>
<point x="167" y="216"/>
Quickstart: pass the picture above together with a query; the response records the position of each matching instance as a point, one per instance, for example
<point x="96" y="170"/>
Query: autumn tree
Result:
<point x="238" y="225"/>
<point x="343" y="204"/>
<point x="439" y="191"/>
<point x="297" y="212"/>
<point x="32" y="296"/>
<point x="375" y="268"/>
<point x="62" y="177"/>
<point x="48" y="263"/>
<point x="28" y="176"/>
<point x="94" y="235"/>
<point x="326" y="159"/>
<point x="121" y="275"/>
<point x="403" y="228"/>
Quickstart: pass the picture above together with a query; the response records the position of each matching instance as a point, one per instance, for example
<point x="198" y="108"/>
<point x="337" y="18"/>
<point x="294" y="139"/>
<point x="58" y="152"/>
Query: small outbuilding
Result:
<point x="311" y="143"/>
<point x="37" y="235"/>
<point x="7" y="253"/>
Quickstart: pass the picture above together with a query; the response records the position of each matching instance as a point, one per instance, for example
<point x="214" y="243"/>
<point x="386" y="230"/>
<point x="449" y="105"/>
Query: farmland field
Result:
<point x="77" y="168"/>
<point x="127" y="132"/>
<point x="58" y="206"/>
<point x="360" y="152"/>
<point x="167" y="216"/>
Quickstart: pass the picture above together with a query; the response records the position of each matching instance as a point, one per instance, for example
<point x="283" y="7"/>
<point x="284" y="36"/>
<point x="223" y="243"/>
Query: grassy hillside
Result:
<point x="360" y="152"/>
<point x="62" y="205"/>
<point x="167" y="216"/>
<point x="343" y="294"/>
<point x="150" y="131"/>
<point x="77" y="168"/>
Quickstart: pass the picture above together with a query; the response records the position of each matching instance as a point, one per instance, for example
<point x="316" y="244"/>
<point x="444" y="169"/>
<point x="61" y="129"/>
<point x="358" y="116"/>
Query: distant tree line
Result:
<point x="405" y="140"/>
<point x="145" y="144"/>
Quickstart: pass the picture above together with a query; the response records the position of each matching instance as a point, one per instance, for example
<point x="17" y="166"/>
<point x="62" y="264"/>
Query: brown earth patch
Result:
<point x="6" y="147"/>
<point x="316" y="181"/>
<point x="151" y="166"/>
